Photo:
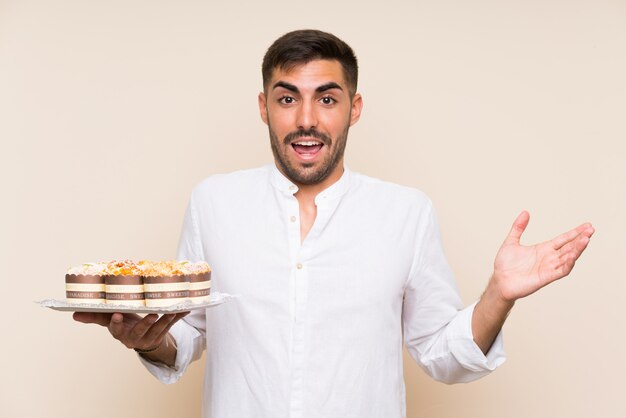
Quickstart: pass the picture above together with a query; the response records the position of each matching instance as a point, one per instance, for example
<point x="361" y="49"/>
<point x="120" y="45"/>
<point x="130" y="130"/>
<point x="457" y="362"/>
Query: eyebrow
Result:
<point x="328" y="86"/>
<point x="324" y="87"/>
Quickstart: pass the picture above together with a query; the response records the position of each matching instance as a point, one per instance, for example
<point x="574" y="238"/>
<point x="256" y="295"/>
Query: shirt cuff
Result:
<point x="185" y="336"/>
<point x="466" y="351"/>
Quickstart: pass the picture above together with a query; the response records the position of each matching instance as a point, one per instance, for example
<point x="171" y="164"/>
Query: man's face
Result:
<point x="309" y="111"/>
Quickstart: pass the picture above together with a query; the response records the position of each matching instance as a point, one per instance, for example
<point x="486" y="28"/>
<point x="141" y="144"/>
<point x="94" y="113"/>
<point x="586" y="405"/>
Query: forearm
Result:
<point x="165" y="353"/>
<point x="489" y="316"/>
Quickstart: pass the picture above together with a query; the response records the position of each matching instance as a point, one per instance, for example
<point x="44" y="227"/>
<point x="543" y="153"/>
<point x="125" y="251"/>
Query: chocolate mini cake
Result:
<point x="124" y="284"/>
<point x="161" y="291"/>
<point x="199" y="281"/>
<point x="165" y="283"/>
<point x="85" y="283"/>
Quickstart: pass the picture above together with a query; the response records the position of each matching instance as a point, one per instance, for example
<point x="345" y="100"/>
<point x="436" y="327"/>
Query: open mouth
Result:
<point x="307" y="148"/>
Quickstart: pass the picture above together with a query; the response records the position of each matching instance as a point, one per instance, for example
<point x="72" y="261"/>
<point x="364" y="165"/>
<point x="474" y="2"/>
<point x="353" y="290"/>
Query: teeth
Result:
<point x="307" y="143"/>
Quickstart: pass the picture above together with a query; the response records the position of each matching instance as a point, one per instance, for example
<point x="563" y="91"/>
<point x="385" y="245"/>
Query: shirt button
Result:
<point x="292" y="187"/>
<point x="292" y="219"/>
<point x="299" y="266"/>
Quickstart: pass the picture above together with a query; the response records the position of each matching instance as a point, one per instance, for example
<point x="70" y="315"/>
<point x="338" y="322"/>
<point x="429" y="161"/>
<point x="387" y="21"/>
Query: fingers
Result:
<point x="518" y="228"/>
<point x="156" y="326"/>
<point x="116" y="327"/>
<point x="562" y="261"/>
<point x="129" y="330"/>
<point x="93" y="318"/>
<point x="569" y="253"/>
<point x="144" y="333"/>
<point x="585" y="230"/>
<point x="171" y="324"/>
<point x="155" y="335"/>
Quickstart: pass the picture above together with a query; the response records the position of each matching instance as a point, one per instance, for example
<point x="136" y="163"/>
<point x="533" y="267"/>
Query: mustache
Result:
<point x="311" y="133"/>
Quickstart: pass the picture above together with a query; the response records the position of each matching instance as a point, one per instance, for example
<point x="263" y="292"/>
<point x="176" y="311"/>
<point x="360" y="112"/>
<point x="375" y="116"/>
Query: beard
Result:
<point x="308" y="173"/>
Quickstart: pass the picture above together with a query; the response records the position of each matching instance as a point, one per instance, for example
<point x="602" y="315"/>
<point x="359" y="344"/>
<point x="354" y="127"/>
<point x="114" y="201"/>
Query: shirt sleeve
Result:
<point x="437" y="330"/>
<point x="189" y="333"/>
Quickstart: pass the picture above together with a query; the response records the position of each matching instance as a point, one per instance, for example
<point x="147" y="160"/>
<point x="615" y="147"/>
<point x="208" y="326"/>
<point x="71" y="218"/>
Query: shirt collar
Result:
<point x="335" y="190"/>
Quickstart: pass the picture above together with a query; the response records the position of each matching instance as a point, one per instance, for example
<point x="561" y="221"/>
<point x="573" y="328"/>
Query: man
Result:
<point x="333" y="269"/>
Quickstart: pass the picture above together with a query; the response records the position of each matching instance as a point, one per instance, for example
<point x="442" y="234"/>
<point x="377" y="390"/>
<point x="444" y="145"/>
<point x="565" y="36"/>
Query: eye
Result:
<point x="286" y="100"/>
<point x="327" y="100"/>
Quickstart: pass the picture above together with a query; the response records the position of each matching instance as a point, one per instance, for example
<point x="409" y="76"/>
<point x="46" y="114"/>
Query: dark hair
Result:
<point x="303" y="46"/>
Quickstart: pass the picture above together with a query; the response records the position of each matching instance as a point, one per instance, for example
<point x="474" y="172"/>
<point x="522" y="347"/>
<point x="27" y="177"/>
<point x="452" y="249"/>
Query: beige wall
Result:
<point x="110" y="111"/>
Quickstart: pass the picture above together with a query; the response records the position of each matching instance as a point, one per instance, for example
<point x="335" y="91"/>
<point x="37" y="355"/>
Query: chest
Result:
<point x="348" y="250"/>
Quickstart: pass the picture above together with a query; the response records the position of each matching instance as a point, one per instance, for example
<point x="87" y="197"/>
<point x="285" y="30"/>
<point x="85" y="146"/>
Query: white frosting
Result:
<point x="88" y="269"/>
<point x="195" y="268"/>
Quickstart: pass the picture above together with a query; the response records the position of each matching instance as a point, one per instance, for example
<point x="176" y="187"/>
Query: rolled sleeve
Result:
<point x="437" y="330"/>
<point x="466" y="351"/>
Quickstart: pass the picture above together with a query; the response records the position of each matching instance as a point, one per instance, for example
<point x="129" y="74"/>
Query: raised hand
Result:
<point x="522" y="270"/>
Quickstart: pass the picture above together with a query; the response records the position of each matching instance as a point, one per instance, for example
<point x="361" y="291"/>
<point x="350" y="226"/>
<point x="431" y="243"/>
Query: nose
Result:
<point x="307" y="116"/>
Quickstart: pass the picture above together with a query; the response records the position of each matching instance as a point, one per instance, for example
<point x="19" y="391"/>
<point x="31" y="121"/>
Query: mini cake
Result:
<point x="85" y="283"/>
<point x="165" y="283"/>
<point x="124" y="284"/>
<point x="199" y="281"/>
<point x="145" y="283"/>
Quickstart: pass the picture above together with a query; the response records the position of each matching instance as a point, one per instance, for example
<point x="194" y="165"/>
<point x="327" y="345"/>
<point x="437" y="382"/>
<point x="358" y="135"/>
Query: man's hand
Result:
<point x="134" y="331"/>
<point x="522" y="270"/>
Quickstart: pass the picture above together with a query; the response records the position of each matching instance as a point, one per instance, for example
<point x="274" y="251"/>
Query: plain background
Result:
<point x="111" y="111"/>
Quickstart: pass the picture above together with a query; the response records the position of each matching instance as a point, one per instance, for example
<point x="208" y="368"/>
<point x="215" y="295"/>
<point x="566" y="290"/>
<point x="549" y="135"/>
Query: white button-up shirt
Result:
<point x="317" y="328"/>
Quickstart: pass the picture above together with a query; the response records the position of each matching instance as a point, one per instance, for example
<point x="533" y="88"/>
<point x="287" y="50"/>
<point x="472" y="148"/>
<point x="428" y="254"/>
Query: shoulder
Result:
<point x="388" y="193"/>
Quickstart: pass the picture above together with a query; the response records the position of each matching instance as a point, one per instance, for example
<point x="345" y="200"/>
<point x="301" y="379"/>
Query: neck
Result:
<point x="311" y="190"/>
<point x="306" y="200"/>
<point x="307" y="192"/>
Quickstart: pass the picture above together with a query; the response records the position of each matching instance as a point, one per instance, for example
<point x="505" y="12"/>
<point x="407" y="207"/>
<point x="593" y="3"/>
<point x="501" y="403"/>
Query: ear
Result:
<point x="355" y="111"/>
<point x="263" y="107"/>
